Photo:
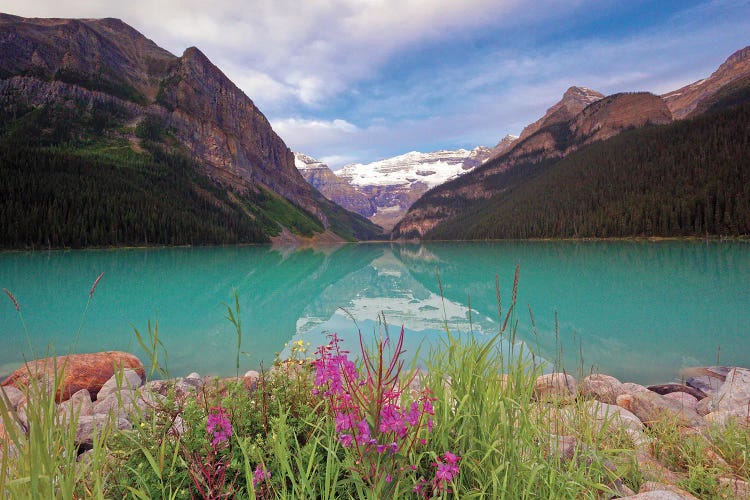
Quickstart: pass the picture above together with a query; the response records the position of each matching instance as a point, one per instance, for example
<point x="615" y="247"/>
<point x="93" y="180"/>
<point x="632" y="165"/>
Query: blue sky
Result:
<point x="362" y="80"/>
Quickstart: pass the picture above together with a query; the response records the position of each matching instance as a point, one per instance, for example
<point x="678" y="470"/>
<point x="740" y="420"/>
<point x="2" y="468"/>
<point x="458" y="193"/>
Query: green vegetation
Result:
<point x="689" y="178"/>
<point x="70" y="176"/>
<point x="104" y="81"/>
<point x="468" y="427"/>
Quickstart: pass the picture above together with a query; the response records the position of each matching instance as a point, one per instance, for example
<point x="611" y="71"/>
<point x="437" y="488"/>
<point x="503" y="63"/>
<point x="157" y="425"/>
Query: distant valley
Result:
<point x="384" y="190"/>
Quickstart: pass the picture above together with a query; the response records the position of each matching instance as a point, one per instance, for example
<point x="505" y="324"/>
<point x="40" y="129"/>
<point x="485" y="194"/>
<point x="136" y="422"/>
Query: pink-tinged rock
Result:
<point x="601" y="387"/>
<point x="555" y="386"/>
<point x="739" y="489"/>
<point x="648" y="486"/>
<point x="78" y="371"/>
<point x="651" y="407"/>
<point x="11" y="396"/>
<point x="683" y="398"/>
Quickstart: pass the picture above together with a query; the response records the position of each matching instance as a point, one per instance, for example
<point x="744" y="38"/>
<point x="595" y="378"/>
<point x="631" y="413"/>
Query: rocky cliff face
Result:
<point x="573" y="101"/>
<point x="333" y="187"/>
<point x="44" y="60"/>
<point x="686" y="101"/>
<point x="384" y="190"/>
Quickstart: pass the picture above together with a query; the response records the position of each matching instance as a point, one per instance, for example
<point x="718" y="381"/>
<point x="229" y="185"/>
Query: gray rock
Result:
<point x="601" y="387"/>
<point x="120" y="404"/>
<point x="193" y="375"/>
<point x="556" y="386"/>
<point x="631" y="388"/>
<point x="79" y="404"/>
<point x="722" y="418"/>
<point x="612" y="416"/>
<point x="11" y="396"/>
<point x="89" y="425"/>
<point x="659" y="495"/>
<point x="650" y="407"/>
<point x="129" y="380"/>
<point x="654" y="486"/>
<point x="735" y="392"/>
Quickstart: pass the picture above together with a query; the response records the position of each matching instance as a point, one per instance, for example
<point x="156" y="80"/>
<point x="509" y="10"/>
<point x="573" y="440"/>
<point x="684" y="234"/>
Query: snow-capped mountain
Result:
<point x="333" y="187"/>
<point x="390" y="186"/>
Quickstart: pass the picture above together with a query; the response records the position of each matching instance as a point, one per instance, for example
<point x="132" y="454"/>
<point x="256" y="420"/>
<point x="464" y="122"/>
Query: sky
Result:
<point x="361" y="80"/>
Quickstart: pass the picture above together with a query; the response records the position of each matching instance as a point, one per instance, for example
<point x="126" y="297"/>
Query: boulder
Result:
<point x="120" y="403"/>
<point x="601" y="387"/>
<point x="78" y="371"/>
<point x="650" y="407"/>
<point x="89" y="425"/>
<point x="684" y="399"/>
<point x="616" y="417"/>
<point x="707" y="379"/>
<point x="11" y="397"/>
<point x="251" y="378"/>
<point x="653" y="486"/>
<point x="735" y="392"/>
<point x="658" y="495"/>
<point x="632" y="388"/>
<point x="739" y="489"/>
<point x="722" y="418"/>
<point x="79" y="403"/>
<point x="555" y="386"/>
<point x="129" y="379"/>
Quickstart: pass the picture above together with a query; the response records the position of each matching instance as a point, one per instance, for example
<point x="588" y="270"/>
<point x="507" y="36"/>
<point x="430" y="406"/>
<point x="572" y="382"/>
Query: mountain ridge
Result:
<point x="127" y="79"/>
<point x="551" y="138"/>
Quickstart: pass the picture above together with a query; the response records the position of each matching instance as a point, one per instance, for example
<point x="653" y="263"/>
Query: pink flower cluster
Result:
<point x="370" y="410"/>
<point x="218" y="426"/>
<point x="447" y="469"/>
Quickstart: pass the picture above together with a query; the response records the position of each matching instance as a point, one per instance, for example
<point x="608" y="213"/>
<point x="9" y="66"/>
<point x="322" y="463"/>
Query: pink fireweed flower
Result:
<point x="363" y="432"/>
<point x="344" y="421"/>
<point x="259" y="475"/>
<point x="447" y="470"/>
<point x="218" y="426"/>
<point x="392" y="420"/>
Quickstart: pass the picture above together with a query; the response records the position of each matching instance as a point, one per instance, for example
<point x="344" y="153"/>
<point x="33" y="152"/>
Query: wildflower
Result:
<point x="259" y="475"/>
<point x="218" y="426"/>
<point x="447" y="470"/>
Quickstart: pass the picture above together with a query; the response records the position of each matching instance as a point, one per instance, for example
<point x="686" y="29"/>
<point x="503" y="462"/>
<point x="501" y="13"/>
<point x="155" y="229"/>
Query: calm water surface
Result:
<point x="640" y="311"/>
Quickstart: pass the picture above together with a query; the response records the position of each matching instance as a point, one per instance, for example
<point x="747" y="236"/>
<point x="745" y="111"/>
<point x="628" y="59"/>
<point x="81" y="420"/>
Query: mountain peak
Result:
<point x="686" y="101"/>
<point x="573" y="101"/>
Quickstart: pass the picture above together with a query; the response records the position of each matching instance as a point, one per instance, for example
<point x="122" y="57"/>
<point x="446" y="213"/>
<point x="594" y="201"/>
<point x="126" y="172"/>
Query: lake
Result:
<point x="637" y="310"/>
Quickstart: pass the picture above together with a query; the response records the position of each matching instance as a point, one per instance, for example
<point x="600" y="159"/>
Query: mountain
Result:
<point x="384" y="190"/>
<point x="686" y="101"/>
<point x="333" y="187"/>
<point x="554" y="142"/>
<point x="504" y="145"/>
<point x="96" y="93"/>
<point x="573" y="101"/>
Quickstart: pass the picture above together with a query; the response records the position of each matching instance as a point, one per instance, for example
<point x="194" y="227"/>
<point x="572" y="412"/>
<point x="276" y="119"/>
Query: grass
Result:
<point x="287" y="437"/>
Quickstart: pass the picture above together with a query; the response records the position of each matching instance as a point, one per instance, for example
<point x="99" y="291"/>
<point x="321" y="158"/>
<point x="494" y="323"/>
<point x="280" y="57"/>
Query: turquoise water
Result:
<point x="638" y="310"/>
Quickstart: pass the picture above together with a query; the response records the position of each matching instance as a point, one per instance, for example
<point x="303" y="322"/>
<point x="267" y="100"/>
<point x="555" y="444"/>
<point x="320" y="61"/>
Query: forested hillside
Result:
<point x="689" y="178"/>
<point x="68" y="180"/>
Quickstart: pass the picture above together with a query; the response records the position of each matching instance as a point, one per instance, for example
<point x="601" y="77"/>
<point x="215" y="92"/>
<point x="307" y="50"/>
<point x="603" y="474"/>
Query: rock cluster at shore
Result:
<point x="718" y="396"/>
